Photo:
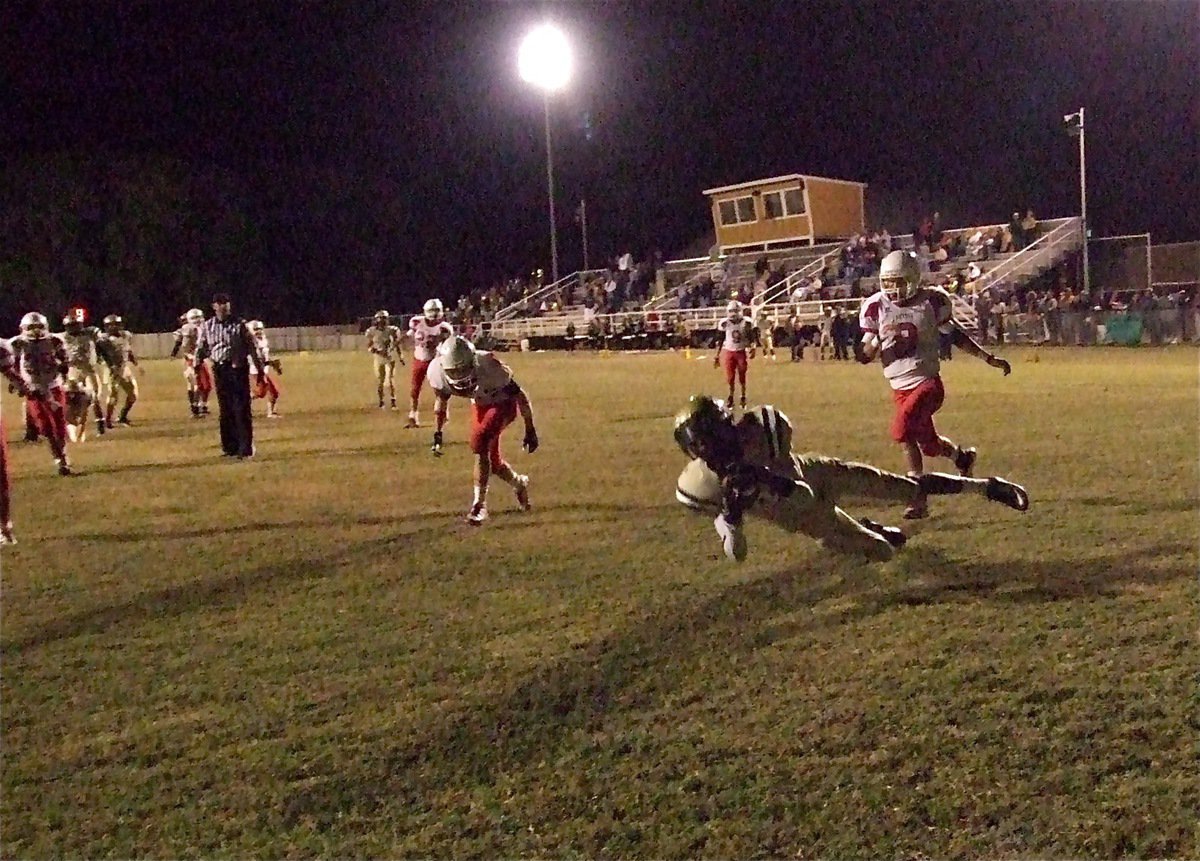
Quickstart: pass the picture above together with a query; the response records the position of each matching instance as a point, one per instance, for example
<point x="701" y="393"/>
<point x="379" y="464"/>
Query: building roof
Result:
<point x="774" y="179"/>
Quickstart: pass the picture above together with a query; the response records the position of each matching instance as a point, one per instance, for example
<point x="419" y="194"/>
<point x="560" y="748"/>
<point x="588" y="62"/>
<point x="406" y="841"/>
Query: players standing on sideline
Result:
<point x="748" y="464"/>
<point x="85" y="362"/>
<point x="41" y="360"/>
<point x="904" y="333"/>
<point x="264" y="383"/>
<point x="428" y="331"/>
<point x="123" y="362"/>
<point x="385" y="344"/>
<point x="460" y="369"/>
<point x="195" y="373"/>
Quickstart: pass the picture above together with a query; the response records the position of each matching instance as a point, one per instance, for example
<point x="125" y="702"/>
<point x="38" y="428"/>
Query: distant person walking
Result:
<point x="229" y="343"/>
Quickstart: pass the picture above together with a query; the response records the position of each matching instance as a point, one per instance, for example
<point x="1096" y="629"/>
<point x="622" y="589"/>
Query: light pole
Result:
<point x="1075" y="127"/>
<point x="544" y="60"/>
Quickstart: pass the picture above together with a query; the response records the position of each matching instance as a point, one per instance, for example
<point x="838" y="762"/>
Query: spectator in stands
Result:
<point x="1029" y="227"/>
<point x="841" y="335"/>
<point x="1017" y="232"/>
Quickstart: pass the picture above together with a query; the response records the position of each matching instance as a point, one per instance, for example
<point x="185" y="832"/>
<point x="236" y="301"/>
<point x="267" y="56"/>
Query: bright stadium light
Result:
<point x="544" y="60"/>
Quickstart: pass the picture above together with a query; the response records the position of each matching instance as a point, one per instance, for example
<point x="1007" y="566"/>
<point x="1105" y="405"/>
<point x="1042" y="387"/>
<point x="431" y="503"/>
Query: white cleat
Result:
<point x="477" y="514"/>
<point x="6" y="537"/>
<point x="522" y="491"/>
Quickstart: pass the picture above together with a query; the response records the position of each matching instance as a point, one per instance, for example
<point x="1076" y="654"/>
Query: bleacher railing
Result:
<point x="576" y="280"/>
<point x="1063" y="237"/>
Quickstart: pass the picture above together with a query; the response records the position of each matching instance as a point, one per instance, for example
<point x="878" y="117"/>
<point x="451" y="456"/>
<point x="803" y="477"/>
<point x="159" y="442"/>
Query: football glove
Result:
<point x="530" y="443"/>
<point x="277" y="365"/>
<point x="436" y="448"/>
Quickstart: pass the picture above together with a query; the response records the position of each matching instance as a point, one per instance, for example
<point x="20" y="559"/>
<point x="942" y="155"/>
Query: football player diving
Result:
<point x="748" y="466"/>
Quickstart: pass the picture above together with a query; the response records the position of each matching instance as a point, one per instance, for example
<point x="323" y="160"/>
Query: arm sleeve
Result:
<point x="868" y="317"/>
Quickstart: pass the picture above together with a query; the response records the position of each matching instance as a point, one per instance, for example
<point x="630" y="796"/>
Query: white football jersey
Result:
<point x="40" y="361"/>
<point x="910" y="334"/>
<point x="384" y="342"/>
<point x="81" y="347"/>
<point x="492" y="378"/>
<point x="122" y="347"/>
<point x="187" y="336"/>
<point x="426" y="336"/>
<point x="739" y="333"/>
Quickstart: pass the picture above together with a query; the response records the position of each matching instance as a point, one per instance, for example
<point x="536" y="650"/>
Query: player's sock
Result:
<point x="480" y="496"/>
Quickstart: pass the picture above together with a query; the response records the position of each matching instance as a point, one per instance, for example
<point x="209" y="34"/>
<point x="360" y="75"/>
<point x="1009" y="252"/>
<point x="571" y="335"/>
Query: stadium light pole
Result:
<point x="544" y="60"/>
<point x="1075" y="127"/>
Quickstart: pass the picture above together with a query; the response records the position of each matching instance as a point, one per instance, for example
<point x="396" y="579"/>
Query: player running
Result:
<point x="8" y="369"/>
<point x="904" y="333"/>
<point x="41" y="361"/>
<point x="748" y="465"/>
<point x="496" y="399"/>
<point x="428" y="331"/>
<point x="196" y="374"/>
<point x="385" y="344"/>
<point x="120" y="345"/>
<point x="264" y="383"/>
<point x="740" y="335"/>
<point x="86" y="365"/>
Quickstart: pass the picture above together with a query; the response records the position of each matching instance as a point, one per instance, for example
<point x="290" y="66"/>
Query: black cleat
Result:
<point x="964" y="461"/>
<point x="891" y="534"/>
<point x="1012" y="495"/>
<point x="101" y="427"/>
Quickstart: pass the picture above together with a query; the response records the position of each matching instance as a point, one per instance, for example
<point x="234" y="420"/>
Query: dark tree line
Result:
<point x="149" y="236"/>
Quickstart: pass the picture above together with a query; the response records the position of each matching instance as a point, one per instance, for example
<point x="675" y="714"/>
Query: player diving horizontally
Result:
<point x="748" y="466"/>
<point x="496" y="399"/>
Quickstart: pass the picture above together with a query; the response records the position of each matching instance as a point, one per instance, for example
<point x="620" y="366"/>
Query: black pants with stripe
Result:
<point x="233" y="400"/>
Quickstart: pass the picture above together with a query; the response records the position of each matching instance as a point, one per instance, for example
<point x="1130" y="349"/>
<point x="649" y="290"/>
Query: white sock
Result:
<point x="480" y="495"/>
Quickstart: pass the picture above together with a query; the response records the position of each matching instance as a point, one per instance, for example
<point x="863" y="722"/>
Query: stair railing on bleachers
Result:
<point x="1063" y="236"/>
<point x="577" y="280"/>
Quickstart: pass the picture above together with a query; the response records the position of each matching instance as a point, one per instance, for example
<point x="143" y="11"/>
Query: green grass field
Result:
<point x="310" y="654"/>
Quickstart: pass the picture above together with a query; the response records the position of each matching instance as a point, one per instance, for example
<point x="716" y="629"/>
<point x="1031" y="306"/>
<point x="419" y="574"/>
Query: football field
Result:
<point x="310" y="654"/>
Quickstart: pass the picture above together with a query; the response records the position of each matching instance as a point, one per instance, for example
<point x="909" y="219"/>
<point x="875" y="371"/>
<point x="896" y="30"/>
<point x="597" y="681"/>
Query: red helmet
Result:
<point x="75" y="314"/>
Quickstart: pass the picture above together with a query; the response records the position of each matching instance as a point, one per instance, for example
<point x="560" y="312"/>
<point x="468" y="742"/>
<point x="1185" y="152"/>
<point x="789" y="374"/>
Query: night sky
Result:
<point x="418" y="107"/>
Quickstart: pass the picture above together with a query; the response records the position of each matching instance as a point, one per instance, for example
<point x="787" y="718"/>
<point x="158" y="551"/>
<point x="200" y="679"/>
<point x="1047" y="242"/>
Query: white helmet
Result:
<point x="381" y="316"/>
<point x="34" y="325"/>
<point x="256" y="326"/>
<point x="734" y="308"/>
<point x="194" y="315"/>
<point x="459" y="362"/>
<point x="900" y="271"/>
<point x="433" y="309"/>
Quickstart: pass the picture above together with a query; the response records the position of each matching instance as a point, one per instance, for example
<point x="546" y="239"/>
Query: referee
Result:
<point x="228" y="342"/>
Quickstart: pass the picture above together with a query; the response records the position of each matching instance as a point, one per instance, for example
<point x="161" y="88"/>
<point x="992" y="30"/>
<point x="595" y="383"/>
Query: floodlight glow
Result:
<point x="544" y="58"/>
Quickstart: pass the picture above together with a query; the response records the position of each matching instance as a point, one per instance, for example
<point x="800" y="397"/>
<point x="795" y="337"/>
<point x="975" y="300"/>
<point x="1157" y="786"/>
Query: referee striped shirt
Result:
<point x="227" y="342"/>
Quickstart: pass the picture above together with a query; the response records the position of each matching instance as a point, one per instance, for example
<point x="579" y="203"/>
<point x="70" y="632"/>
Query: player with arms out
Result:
<point x="85" y="364"/>
<point x="904" y="333"/>
<point x="41" y="361"/>
<point x="264" y="383"/>
<point x="428" y="331"/>
<point x="120" y="352"/>
<point x="384" y="343"/>
<point x="496" y="399"/>
<point x="740" y="334"/>
<point x="748" y="465"/>
<point x="196" y="374"/>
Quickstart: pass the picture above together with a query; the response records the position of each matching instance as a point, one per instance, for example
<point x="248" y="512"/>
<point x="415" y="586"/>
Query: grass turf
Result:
<point x="310" y="654"/>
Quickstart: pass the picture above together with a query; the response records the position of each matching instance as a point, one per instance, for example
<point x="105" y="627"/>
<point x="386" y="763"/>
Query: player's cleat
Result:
<point x="477" y="514"/>
<point x="100" y="426"/>
<point x="124" y="422"/>
<point x="64" y="468"/>
<point x="204" y="409"/>
<point x="964" y="461"/>
<point x="108" y="423"/>
<point x="890" y="534"/>
<point x="381" y="406"/>
<point x="272" y="414"/>
<point x="732" y="539"/>
<point x="412" y="423"/>
<point x="394" y="407"/>
<point x="7" y="538"/>
<point x="1012" y="495"/>
<point x="436" y="448"/>
<point x="522" y="491"/>
<point x="918" y="509"/>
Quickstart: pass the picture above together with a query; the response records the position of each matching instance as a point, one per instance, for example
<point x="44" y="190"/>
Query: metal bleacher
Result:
<point x="1000" y="273"/>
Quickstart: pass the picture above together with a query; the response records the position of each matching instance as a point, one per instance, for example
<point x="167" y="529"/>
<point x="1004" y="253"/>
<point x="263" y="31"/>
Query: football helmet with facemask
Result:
<point x="256" y="326"/>
<point x="194" y="316"/>
<point x="433" y="310"/>
<point x="734" y="309"/>
<point x="113" y="323"/>
<point x="381" y="318"/>
<point x="900" y="271"/>
<point x="704" y="429"/>
<point x="459" y="363"/>
<point x="34" y="325"/>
